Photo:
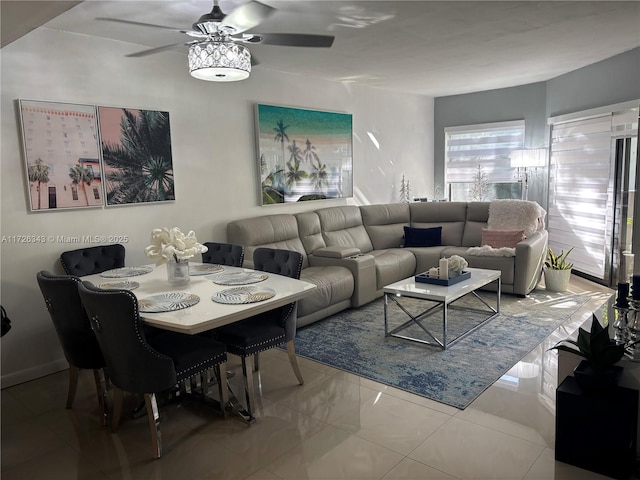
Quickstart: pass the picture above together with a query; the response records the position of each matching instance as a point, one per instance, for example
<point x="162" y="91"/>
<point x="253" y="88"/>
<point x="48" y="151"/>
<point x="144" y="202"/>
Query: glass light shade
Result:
<point x="534" y="157"/>
<point x="219" y="61"/>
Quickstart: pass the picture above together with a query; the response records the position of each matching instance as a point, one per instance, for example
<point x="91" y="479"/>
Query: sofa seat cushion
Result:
<point x="427" y="257"/>
<point x="506" y="265"/>
<point x="392" y="265"/>
<point x="334" y="284"/>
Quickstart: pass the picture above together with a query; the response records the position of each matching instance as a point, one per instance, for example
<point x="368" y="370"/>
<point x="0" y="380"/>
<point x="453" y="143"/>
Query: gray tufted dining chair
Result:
<point x="147" y="366"/>
<point x="90" y="260"/>
<point x="223" y="254"/>
<point x="249" y="337"/>
<point x="78" y="342"/>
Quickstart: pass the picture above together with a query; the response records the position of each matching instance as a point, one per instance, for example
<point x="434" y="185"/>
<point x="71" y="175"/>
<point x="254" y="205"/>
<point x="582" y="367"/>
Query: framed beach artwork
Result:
<point x="136" y="155"/>
<point x="61" y="154"/>
<point x="303" y="154"/>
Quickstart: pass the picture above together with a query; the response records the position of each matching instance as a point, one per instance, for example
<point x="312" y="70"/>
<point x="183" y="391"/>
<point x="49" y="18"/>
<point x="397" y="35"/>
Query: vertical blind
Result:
<point x="581" y="188"/>
<point x="487" y="145"/>
<point x="581" y="192"/>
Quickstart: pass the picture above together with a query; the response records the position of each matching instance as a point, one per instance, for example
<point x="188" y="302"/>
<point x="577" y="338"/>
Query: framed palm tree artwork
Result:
<point x="61" y="152"/>
<point x="136" y="155"/>
<point x="303" y="154"/>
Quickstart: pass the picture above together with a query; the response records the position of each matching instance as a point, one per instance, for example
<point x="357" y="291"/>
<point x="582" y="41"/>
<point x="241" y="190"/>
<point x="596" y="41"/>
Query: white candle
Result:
<point x="444" y="269"/>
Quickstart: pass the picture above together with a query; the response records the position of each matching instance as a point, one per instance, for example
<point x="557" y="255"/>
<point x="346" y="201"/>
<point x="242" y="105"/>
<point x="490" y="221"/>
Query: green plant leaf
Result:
<point x="558" y="262"/>
<point x="564" y="348"/>
<point x="611" y="355"/>
<point x="595" y="325"/>
<point x="584" y="341"/>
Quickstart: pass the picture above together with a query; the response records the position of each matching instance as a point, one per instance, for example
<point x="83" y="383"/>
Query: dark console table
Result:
<point x="597" y="431"/>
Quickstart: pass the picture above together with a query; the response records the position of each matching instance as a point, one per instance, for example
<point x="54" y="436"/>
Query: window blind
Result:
<point x="580" y="210"/>
<point x="487" y="145"/>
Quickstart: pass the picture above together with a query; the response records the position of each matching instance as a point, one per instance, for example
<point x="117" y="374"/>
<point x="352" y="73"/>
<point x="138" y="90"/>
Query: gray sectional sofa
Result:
<point x="352" y="252"/>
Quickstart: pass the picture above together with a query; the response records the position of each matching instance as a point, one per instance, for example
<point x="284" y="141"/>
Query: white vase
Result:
<point x="556" y="280"/>
<point x="178" y="272"/>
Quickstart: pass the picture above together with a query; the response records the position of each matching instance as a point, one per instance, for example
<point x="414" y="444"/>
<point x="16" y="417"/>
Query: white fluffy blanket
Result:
<point x="487" y="251"/>
<point x="516" y="215"/>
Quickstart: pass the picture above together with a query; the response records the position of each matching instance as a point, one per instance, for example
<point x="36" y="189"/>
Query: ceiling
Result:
<point x="424" y="47"/>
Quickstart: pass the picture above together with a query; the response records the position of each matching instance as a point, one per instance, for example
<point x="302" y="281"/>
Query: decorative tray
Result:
<point x="205" y="269"/>
<point x="167" y="302"/>
<point x="238" y="295"/>
<point x="424" y="278"/>
<point x="237" y="278"/>
<point x="126" y="272"/>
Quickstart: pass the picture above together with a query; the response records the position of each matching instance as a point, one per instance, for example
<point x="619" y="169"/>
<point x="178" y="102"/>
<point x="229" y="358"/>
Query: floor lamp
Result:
<point x="525" y="161"/>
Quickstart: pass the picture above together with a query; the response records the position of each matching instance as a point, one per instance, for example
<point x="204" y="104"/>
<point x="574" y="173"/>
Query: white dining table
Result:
<point x="206" y="314"/>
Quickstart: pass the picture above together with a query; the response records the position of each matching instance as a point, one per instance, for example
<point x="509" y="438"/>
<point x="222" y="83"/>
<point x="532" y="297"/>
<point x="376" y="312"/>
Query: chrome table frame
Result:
<point x="444" y="298"/>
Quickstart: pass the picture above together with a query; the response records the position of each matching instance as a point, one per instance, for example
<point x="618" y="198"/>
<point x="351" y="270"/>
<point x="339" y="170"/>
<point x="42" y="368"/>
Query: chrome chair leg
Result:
<point x="223" y="391"/>
<point x="154" y="423"/>
<point x="247" y="373"/>
<point x="73" y="385"/>
<point x="256" y="359"/>
<point x="117" y="409"/>
<point x="291" y="351"/>
<point x="101" y="391"/>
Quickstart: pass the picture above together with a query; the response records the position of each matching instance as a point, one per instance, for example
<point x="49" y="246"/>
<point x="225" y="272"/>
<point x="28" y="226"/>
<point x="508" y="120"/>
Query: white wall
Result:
<point x="212" y="132"/>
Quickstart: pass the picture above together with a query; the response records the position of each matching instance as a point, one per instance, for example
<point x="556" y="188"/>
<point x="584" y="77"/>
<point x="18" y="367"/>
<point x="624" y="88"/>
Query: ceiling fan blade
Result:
<point x="141" y="24"/>
<point x="292" y="39"/>
<point x="151" y="51"/>
<point x="247" y="16"/>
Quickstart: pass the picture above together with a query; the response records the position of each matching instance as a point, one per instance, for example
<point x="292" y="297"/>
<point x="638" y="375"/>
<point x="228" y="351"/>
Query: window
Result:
<point x="96" y="194"/>
<point x="74" y="192"/>
<point x="582" y="187"/>
<point x="478" y="163"/>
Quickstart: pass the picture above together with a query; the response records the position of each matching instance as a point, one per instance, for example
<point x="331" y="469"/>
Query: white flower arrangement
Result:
<point x="171" y="243"/>
<point x="457" y="263"/>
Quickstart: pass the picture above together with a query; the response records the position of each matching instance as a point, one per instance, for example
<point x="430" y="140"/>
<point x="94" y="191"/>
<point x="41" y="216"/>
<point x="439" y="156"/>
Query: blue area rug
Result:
<point x="354" y="341"/>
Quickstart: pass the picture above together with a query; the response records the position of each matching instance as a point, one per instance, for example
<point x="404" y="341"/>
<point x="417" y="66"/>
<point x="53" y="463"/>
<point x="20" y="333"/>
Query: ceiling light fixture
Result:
<point x="219" y="61"/>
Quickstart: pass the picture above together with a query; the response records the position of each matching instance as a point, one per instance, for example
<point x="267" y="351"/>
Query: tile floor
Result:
<point x="336" y="426"/>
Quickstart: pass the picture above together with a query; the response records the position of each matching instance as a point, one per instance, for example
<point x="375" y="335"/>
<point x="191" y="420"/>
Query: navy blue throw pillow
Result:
<point x="422" y="237"/>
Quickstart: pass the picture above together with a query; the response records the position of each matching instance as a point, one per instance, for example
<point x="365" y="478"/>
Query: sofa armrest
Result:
<point x="336" y="252"/>
<point x="362" y="268"/>
<point x="530" y="256"/>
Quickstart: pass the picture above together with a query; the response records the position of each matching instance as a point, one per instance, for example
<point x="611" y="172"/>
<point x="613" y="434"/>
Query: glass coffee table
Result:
<point x="443" y="296"/>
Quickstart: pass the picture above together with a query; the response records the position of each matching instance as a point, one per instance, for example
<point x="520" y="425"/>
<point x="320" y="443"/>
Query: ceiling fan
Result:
<point x="217" y="53"/>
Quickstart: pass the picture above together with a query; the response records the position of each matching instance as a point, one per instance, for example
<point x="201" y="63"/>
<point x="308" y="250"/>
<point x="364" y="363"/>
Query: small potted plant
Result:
<point x="600" y="353"/>
<point x="557" y="271"/>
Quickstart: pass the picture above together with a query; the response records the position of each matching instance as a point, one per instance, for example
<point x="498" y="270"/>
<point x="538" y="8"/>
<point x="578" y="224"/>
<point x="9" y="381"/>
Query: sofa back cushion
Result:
<point x="342" y="227"/>
<point x="273" y="231"/>
<point x="451" y="216"/>
<point x="385" y="223"/>
<point x="477" y="217"/>
<point x="309" y="231"/>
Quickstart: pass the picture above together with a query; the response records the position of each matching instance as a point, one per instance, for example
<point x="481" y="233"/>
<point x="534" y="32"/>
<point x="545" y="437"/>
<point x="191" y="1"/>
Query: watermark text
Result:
<point x="80" y="239"/>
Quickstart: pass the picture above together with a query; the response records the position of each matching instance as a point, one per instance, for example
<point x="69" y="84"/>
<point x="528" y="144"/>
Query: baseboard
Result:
<point x="32" y="373"/>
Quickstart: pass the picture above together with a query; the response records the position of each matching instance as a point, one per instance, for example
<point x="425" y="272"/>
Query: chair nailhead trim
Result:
<point x="270" y="342"/>
<point x="199" y="370"/>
